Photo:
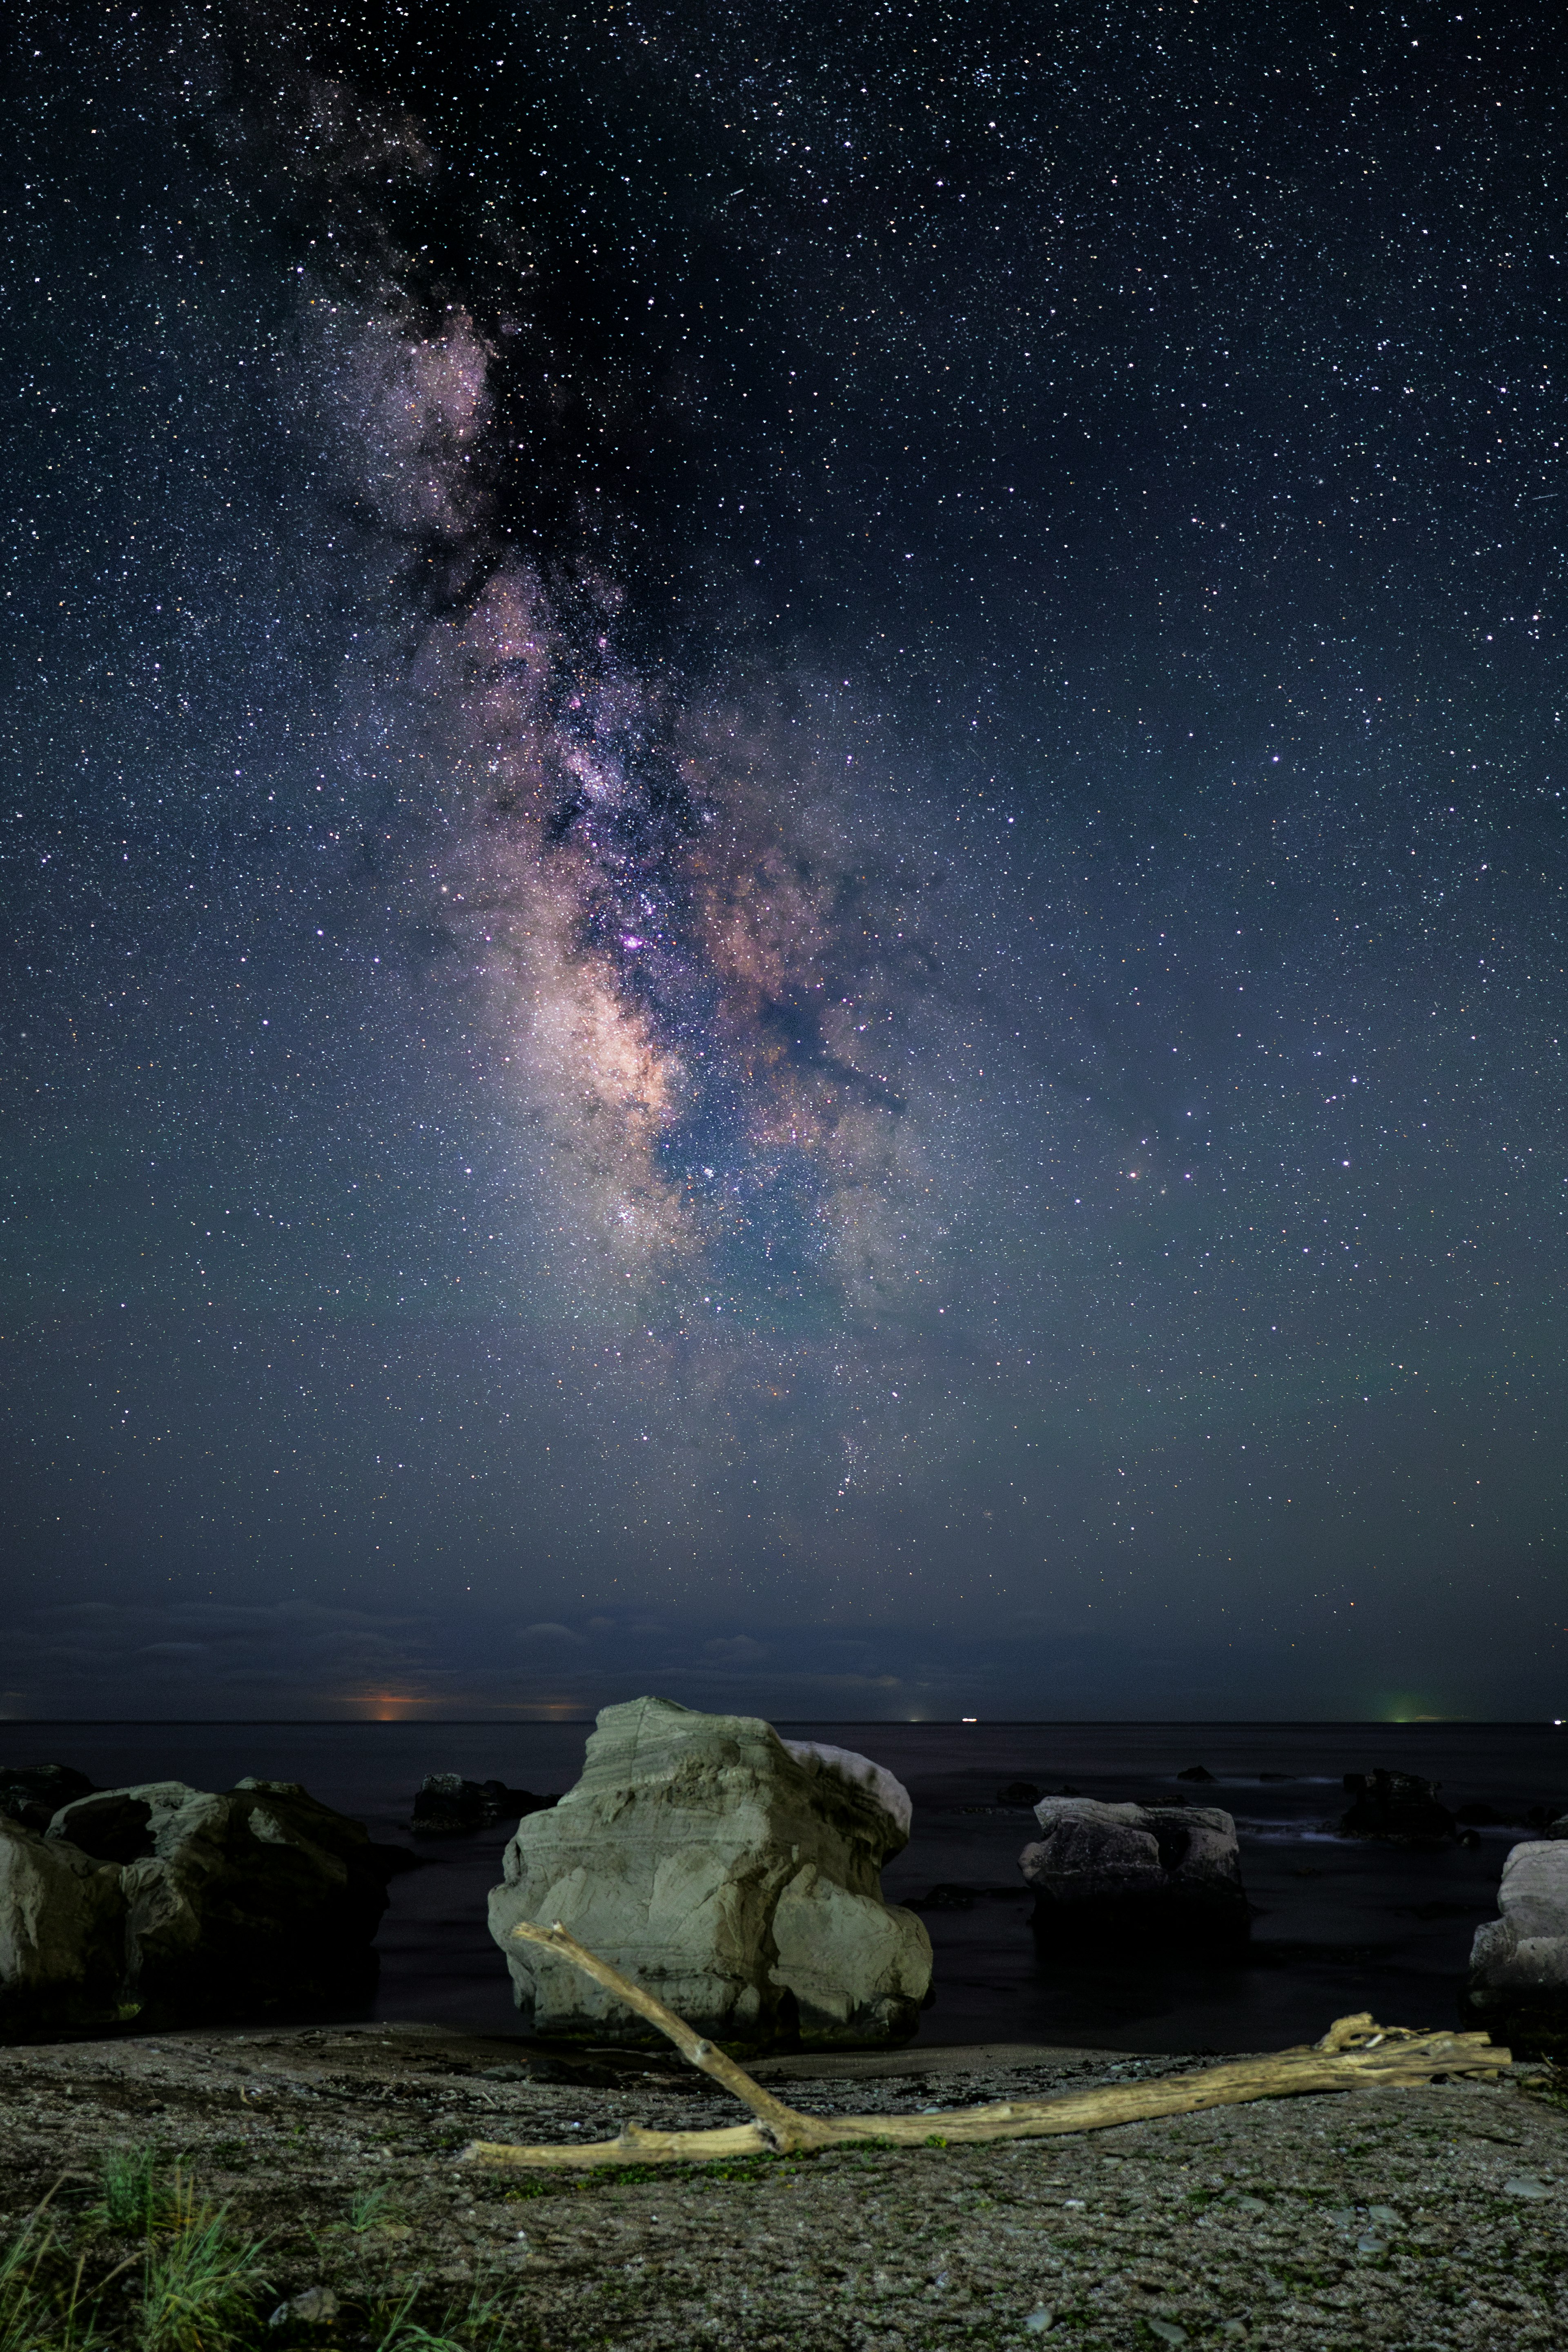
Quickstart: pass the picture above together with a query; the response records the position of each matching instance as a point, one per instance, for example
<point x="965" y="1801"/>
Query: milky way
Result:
<point x="787" y="860"/>
<point x="695" y="914"/>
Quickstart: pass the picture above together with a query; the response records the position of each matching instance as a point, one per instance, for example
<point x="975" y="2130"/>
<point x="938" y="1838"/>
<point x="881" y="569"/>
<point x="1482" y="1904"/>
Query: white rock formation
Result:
<point x="891" y="1794"/>
<point x="1518" y="1988"/>
<point x="738" y="1881"/>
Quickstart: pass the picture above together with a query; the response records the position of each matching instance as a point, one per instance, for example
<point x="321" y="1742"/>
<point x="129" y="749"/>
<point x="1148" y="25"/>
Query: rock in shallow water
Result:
<point x="1154" y="1876"/>
<point x="447" y="1805"/>
<point x="734" y="1878"/>
<point x="1398" y="1806"/>
<point x="1517" y="1984"/>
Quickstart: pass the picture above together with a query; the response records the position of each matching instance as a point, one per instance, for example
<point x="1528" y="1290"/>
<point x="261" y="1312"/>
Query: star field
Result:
<point x="784" y="859"/>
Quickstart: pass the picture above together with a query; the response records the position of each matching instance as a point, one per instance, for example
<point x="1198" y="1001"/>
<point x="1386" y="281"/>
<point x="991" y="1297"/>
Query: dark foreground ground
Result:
<point x="1435" y="2217"/>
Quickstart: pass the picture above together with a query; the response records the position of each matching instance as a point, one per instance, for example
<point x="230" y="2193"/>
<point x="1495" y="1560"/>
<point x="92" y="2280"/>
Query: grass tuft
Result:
<point x="460" y="2327"/>
<point x="39" y="2310"/>
<point x="367" y="2208"/>
<point x="199" y="2284"/>
<point x="135" y="2197"/>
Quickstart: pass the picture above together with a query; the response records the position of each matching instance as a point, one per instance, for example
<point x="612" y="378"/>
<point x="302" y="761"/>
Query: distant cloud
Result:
<point x="735" y="1649"/>
<point x="550" y="1633"/>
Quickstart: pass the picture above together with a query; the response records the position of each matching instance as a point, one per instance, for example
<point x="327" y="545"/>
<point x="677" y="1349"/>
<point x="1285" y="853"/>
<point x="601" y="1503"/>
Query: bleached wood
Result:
<point x="1354" y="2053"/>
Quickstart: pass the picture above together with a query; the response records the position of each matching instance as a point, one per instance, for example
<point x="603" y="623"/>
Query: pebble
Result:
<point x="1040" y="2319"/>
<point x="1166" y="2330"/>
<point x="315" y="2305"/>
<point x="1524" y="2186"/>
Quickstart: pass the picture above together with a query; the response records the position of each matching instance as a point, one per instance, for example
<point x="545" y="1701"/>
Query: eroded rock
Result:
<point x="235" y="1903"/>
<point x="1152" y="1875"/>
<point x="1518" y="1986"/>
<point x="34" y="1793"/>
<point x="62" y="1936"/>
<point x="736" y="1877"/>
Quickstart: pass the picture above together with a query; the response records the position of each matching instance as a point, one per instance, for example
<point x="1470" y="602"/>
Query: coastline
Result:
<point x="1368" y="2219"/>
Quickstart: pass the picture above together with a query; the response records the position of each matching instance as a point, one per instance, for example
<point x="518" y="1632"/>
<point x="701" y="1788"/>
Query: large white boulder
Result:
<point x="737" y="1879"/>
<point x="62" y="1935"/>
<point x="1152" y="1875"/>
<point x="1518" y="1986"/>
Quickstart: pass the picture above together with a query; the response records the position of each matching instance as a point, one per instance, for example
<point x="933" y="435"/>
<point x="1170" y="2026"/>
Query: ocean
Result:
<point x="1338" y="1925"/>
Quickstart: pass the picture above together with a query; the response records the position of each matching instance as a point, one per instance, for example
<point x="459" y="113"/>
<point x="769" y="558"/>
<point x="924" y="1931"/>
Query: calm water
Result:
<point x="1340" y="1926"/>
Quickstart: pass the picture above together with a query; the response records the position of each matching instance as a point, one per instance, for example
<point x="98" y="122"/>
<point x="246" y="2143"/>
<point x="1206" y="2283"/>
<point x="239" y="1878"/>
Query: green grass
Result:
<point x="42" y="2310"/>
<point x="134" y="2195"/>
<point x="202" y="2287"/>
<point x="367" y="2208"/>
<point x="199" y="2284"/>
<point x="486" y="2319"/>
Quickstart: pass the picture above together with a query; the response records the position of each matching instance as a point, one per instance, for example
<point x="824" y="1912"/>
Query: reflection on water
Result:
<point x="1338" y="1925"/>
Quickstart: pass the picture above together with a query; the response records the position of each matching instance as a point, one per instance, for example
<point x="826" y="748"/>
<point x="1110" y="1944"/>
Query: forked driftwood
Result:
<point x="1354" y="2053"/>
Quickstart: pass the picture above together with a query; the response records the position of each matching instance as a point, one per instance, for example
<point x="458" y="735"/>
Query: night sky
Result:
<point x="784" y="859"/>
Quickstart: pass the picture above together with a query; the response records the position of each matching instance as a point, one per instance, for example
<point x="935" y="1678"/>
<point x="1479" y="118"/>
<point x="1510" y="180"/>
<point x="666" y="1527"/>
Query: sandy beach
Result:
<point x="1435" y="2217"/>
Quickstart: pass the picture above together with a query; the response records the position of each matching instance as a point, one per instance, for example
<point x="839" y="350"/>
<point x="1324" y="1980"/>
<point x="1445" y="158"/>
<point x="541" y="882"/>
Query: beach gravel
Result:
<point x="1415" y="2219"/>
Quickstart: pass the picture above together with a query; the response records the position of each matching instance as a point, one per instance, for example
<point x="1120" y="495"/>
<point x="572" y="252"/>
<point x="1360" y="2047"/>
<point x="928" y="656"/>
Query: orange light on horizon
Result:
<point x="386" y="1707"/>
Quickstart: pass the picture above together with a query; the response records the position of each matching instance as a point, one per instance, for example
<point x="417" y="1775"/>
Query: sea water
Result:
<point x="1338" y="1924"/>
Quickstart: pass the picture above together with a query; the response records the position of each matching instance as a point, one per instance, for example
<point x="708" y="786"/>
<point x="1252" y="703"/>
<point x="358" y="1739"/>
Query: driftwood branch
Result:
<point x="1354" y="2053"/>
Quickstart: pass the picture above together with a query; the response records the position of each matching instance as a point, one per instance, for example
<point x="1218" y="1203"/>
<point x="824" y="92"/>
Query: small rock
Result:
<point x="1018" y="1792"/>
<point x="1194" y="1772"/>
<point x="1384" y="2216"/>
<point x="1524" y="2186"/>
<point x="317" y="2306"/>
<point x="1166" y="2330"/>
<point x="1369" y="2244"/>
<point x="1039" y="2319"/>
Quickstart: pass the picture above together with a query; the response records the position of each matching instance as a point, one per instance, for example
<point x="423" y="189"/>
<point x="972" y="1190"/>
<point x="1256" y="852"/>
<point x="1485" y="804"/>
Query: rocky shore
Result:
<point x="1403" y="2219"/>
